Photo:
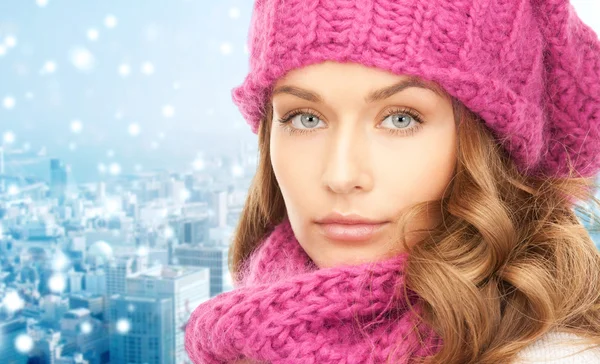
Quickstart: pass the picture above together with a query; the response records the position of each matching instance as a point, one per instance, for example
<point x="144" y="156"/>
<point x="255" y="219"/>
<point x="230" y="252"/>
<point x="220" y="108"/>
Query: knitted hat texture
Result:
<point x="530" y="69"/>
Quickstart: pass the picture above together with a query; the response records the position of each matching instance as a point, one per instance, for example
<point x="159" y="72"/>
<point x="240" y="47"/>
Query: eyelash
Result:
<point x="404" y="132"/>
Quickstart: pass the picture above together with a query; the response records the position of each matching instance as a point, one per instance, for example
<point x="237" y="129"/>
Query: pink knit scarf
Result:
<point x="287" y="310"/>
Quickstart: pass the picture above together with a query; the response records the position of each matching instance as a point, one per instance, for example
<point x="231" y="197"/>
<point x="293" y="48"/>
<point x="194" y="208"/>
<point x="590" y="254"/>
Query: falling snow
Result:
<point x="49" y="67"/>
<point x="9" y="102"/>
<point x="168" y="111"/>
<point x="234" y="12"/>
<point x="226" y="48"/>
<point x="76" y="126"/>
<point x="142" y="251"/>
<point x="110" y="21"/>
<point x="12" y="302"/>
<point x="134" y="129"/>
<point x="86" y="327"/>
<point x="57" y="283"/>
<point x="147" y="68"/>
<point x="8" y="137"/>
<point x="24" y="343"/>
<point x="114" y="169"/>
<point x="123" y="326"/>
<point x="82" y="59"/>
<point x="10" y="41"/>
<point x="93" y="34"/>
<point x="198" y="164"/>
<point x="13" y="190"/>
<point x="237" y="171"/>
<point x="124" y="69"/>
<point x="169" y="233"/>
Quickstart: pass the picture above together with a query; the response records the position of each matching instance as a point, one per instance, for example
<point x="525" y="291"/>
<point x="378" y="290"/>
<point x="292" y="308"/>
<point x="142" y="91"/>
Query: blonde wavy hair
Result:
<point x="509" y="261"/>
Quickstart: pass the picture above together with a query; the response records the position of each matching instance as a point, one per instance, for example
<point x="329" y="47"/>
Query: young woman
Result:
<point x="421" y="165"/>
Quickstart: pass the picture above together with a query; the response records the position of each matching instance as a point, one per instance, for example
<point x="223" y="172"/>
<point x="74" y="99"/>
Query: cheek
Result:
<point x="434" y="174"/>
<point x="293" y="169"/>
<point x="423" y="175"/>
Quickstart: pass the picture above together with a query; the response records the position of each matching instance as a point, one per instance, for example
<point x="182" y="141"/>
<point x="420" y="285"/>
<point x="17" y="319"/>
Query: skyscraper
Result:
<point x="219" y="207"/>
<point x="212" y="257"/>
<point x="186" y="287"/>
<point x="117" y="272"/>
<point x="142" y="331"/>
<point x="58" y="179"/>
<point x="9" y="331"/>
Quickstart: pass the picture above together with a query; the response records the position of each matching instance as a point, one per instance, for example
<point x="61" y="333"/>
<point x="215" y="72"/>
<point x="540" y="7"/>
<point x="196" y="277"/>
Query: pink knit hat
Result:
<point x="529" y="68"/>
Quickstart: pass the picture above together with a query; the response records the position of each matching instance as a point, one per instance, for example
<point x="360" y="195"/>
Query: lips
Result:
<point x="351" y="232"/>
<point x="338" y="218"/>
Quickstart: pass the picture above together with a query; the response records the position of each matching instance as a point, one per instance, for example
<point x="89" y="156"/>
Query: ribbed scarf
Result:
<point x="287" y="310"/>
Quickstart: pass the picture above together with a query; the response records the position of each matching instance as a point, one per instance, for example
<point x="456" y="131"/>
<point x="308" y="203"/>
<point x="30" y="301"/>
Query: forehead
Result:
<point x="329" y="78"/>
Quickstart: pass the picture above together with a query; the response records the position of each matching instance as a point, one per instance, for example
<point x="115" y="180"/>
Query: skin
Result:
<point x="348" y="161"/>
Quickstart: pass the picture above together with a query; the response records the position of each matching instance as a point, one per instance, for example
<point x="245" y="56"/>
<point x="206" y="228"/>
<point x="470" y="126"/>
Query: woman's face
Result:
<point x="355" y="148"/>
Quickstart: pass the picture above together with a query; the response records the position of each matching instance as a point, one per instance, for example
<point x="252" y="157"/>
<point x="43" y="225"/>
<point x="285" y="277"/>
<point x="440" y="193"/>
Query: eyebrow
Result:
<point x="374" y="96"/>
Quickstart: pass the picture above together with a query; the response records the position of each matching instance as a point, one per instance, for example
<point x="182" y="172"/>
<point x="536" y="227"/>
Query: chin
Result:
<point x="336" y="258"/>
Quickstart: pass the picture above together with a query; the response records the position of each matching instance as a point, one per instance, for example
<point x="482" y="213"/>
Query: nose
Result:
<point x="347" y="162"/>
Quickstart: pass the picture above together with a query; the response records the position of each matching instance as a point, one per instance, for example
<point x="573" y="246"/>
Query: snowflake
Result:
<point x="92" y="34"/>
<point x="110" y="21"/>
<point x="13" y="302"/>
<point x="147" y="68"/>
<point x="9" y="102"/>
<point x="24" y="342"/>
<point x="168" y="111"/>
<point x="123" y="326"/>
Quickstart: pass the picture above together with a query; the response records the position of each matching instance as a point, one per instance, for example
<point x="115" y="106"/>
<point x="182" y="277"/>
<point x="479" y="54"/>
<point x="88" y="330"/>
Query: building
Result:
<point x="142" y="331"/>
<point x="186" y="287"/>
<point x="58" y="179"/>
<point x="92" y="301"/>
<point x="9" y="331"/>
<point x="81" y="333"/>
<point x="94" y="281"/>
<point x="212" y="257"/>
<point x="192" y="230"/>
<point x="53" y="308"/>
<point x="219" y="207"/>
<point x="75" y="281"/>
<point x="117" y="272"/>
<point x="43" y="229"/>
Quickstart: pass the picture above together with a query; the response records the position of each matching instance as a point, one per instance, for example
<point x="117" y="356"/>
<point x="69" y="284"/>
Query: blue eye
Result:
<point x="307" y="119"/>
<point x="401" y="119"/>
